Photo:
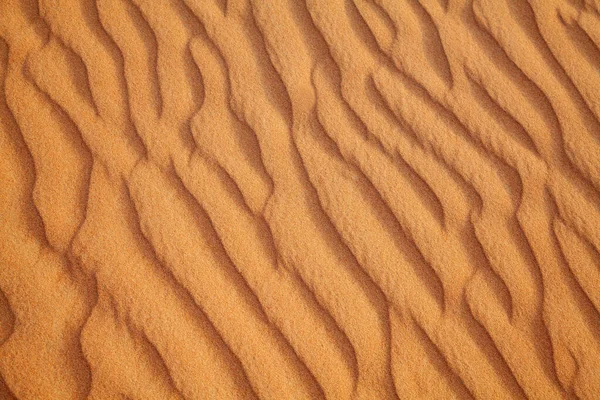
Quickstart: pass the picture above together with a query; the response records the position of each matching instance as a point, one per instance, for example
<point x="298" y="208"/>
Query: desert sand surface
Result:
<point x="299" y="199"/>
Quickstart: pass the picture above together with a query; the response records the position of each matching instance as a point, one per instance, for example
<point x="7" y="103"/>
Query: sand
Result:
<point x="299" y="199"/>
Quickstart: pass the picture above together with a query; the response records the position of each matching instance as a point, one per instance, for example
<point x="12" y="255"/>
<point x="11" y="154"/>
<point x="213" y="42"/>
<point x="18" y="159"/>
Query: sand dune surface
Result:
<point x="299" y="199"/>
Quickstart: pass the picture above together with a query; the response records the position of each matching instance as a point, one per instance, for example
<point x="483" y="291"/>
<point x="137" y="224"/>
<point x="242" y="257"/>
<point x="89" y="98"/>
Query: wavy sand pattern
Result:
<point x="299" y="199"/>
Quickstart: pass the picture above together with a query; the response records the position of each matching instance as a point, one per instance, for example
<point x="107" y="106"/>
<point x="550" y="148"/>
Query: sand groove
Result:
<point x="344" y="199"/>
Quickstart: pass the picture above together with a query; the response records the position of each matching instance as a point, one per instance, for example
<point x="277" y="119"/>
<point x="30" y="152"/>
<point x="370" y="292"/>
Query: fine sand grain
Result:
<point x="299" y="199"/>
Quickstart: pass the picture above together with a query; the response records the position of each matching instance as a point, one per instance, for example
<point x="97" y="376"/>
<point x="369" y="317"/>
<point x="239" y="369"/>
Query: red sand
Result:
<point x="288" y="199"/>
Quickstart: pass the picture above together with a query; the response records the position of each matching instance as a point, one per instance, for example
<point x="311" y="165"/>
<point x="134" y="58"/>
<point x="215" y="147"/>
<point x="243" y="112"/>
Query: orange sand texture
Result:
<point x="299" y="199"/>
